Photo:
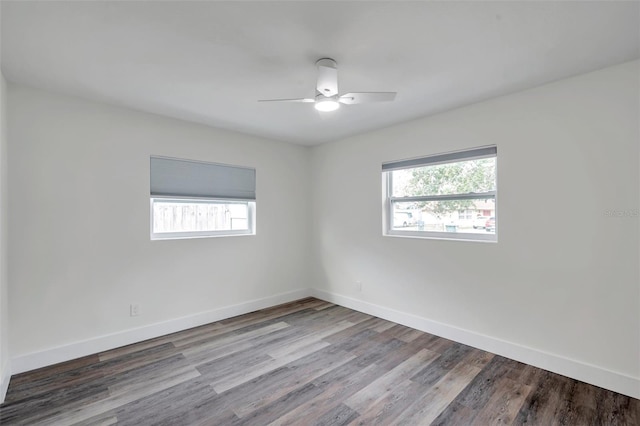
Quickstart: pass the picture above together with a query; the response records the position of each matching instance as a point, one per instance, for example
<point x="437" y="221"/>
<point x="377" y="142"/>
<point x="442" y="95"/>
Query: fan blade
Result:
<point x="327" y="77"/>
<point x="366" y="97"/>
<point x="287" y="100"/>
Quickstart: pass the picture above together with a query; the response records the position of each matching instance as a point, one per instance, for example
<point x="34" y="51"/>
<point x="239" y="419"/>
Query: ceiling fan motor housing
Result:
<point x="327" y="84"/>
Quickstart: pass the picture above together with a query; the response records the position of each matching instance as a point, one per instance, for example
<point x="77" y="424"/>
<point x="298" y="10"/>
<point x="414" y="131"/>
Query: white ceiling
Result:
<point x="209" y="62"/>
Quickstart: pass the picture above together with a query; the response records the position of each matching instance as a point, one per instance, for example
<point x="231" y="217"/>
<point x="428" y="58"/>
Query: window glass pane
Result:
<point x="199" y="216"/>
<point x="441" y="179"/>
<point x="468" y="216"/>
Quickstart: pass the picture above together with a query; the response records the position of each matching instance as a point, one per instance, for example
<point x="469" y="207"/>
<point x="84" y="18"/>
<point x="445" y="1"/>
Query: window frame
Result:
<point x="251" y="218"/>
<point x="184" y="180"/>
<point x="389" y="200"/>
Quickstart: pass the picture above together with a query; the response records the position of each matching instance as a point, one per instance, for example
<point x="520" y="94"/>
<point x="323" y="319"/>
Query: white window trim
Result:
<point x="251" y="220"/>
<point x="388" y="230"/>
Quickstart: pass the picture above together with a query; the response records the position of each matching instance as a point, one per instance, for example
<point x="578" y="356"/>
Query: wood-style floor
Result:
<point x="306" y="363"/>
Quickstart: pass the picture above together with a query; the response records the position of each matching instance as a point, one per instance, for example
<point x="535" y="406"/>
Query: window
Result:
<point x="192" y="199"/>
<point x="451" y="195"/>
<point x="465" y="214"/>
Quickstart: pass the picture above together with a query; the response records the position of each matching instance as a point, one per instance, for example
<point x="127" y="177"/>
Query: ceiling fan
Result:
<point x="327" y="97"/>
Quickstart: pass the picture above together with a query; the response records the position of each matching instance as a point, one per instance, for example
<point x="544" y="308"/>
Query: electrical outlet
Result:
<point x="134" y="309"/>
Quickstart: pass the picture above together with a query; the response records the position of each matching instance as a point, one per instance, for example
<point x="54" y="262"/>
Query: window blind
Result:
<point x="172" y="177"/>
<point x="471" y="154"/>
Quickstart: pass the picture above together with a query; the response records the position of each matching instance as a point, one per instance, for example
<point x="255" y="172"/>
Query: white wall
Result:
<point x="5" y="366"/>
<point x="79" y="223"/>
<point x="563" y="278"/>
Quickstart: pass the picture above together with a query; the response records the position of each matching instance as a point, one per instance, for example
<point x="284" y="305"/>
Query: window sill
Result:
<point x="191" y="237"/>
<point x="450" y="236"/>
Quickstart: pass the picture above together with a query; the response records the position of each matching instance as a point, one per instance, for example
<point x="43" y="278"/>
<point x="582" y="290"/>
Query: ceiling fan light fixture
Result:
<point x="326" y="104"/>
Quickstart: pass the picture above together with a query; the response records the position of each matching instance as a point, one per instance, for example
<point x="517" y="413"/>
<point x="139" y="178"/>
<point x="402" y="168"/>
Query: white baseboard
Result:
<point x="51" y="356"/>
<point x="591" y="374"/>
<point x="5" y="376"/>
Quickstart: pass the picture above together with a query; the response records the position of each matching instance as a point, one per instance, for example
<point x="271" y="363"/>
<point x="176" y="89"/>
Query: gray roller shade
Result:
<point x="172" y="177"/>
<point x="471" y="154"/>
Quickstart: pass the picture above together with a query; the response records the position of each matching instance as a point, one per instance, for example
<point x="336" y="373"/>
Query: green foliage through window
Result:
<point x="464" y="177"/>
